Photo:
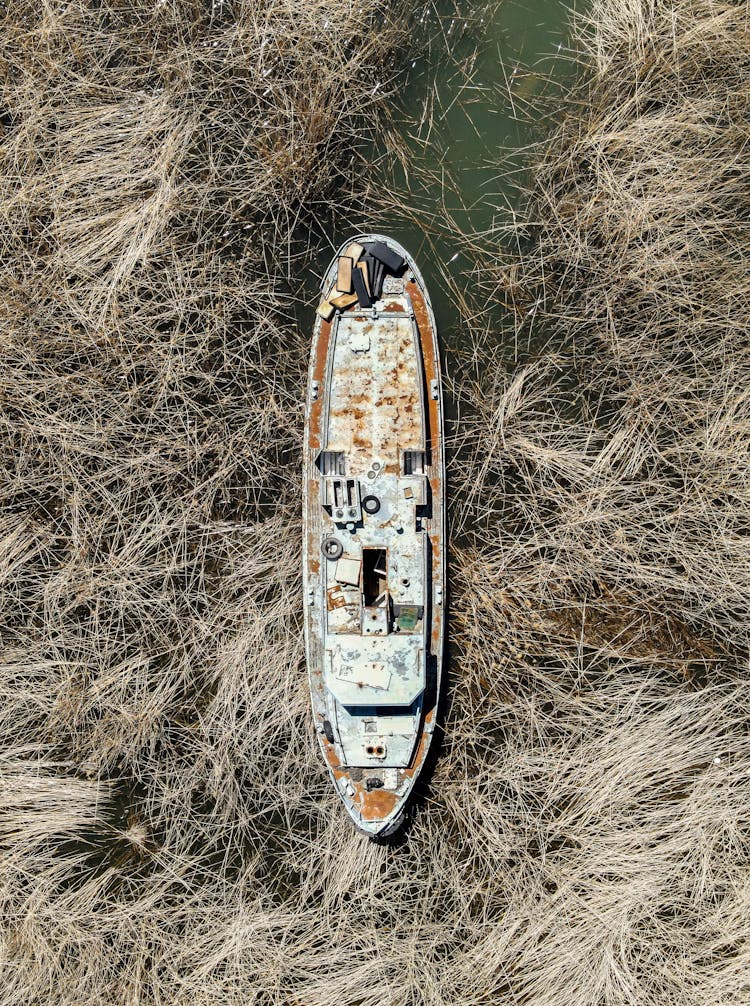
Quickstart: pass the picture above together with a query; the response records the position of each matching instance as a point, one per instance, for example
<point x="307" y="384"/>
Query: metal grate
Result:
<point x="332" y="463"/>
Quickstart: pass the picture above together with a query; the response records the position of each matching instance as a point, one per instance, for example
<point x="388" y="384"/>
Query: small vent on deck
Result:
<point x="331" y="463"/>
<point x="414" y="462"/>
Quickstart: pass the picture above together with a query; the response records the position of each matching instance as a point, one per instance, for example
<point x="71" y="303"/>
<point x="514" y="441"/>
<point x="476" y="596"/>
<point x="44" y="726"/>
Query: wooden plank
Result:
<point x="325" y="310"/>
<point x="390" y="259"/>
<point x="364" y="269"/>
<point x="378" y="272"/>
<point x="343" y="300"/>
<point x="344" y="275"/>
<point x="375" y="273"/>
<point x="354" y="252"/>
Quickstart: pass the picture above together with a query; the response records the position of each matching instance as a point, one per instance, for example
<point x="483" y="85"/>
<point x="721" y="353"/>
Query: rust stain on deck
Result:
<point x="377" y="804"/>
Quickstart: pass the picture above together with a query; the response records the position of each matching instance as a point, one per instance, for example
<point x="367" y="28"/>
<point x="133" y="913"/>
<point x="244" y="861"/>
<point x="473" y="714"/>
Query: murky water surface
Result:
<point x="462" y="119"/>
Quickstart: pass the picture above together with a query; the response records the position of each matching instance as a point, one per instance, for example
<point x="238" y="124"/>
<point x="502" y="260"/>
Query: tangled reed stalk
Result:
<point x="604" y="580"/>
<point x="167" y="834"/>
<point x="639" y="267"/>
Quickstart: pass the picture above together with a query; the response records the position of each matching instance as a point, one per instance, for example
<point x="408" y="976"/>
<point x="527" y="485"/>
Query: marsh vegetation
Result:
<point x="167" y="831"/>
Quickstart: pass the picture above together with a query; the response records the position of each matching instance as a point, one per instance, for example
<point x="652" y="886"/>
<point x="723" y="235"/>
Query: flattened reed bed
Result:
<point x="608" y="514"/>
<point x="167" y="833"/>
<point x="638" y="265"/>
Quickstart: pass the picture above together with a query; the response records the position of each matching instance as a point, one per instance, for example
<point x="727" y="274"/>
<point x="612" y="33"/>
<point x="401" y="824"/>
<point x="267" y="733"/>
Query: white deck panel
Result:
<point x="375" y="670"/>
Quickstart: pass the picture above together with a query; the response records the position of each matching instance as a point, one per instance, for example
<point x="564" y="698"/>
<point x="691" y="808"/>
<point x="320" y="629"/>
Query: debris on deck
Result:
<point x="360" y="275"/>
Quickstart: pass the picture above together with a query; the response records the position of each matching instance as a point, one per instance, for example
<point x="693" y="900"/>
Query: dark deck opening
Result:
<point x="415" y="462"/>
<point x="374" y="577"/>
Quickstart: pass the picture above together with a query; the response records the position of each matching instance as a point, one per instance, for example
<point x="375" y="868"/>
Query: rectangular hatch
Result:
<point x="374" y="577"/>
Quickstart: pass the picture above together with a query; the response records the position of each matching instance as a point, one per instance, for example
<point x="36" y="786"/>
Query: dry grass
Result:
<point x="167" y="833"/>
<point x="639" y="268"/>
<point x="602" y="604"/>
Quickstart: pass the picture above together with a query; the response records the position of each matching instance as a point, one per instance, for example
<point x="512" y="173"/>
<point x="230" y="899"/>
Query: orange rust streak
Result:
<point x="432" y="372"/>
<point x="419" y="757"/>
<point x="332" y="759"/>
<point x="431" y="364"/>
<point x="321" y="351"/>
<point x="319" y="370"/>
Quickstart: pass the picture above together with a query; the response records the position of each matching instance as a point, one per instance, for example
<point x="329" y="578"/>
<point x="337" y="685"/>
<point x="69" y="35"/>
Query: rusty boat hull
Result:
<point x="374" y="531"/>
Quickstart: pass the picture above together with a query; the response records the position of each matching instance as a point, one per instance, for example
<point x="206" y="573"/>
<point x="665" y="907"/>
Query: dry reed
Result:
<point x="167" y="832"/>
<point x="603" y="594"/>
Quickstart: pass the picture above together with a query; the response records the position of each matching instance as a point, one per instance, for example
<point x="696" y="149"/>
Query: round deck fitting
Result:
<point x="332" y="548"/>
<point x="370" y="504"/>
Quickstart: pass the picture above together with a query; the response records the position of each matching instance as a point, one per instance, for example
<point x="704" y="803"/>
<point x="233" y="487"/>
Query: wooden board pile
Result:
<point x="359" y="278"/>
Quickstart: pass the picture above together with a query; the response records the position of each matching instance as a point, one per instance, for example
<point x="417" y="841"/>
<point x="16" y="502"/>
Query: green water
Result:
<point x="472" y="145"/>
<point x="466" y="107"/>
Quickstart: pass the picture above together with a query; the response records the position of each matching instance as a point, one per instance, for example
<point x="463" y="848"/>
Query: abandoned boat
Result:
<point x="374" y="528"/>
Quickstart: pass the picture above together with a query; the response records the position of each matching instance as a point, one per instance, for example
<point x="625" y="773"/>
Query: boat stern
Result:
<point x="377" y="813"/>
